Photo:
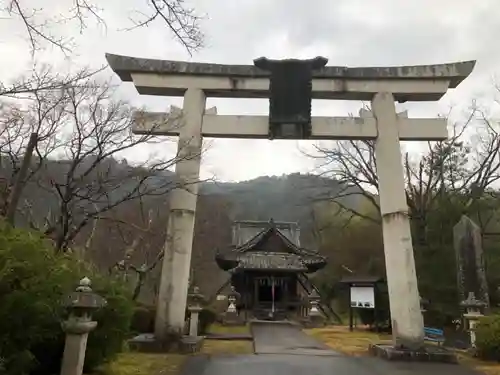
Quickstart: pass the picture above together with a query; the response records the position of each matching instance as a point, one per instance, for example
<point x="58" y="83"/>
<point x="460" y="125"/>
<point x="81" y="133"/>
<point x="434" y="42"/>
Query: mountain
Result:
<point x="284" y="198"/>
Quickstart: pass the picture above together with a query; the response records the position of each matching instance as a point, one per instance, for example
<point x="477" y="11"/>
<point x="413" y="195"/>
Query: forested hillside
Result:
<point x="283" y="198"/>
<point x="134" y="230"/>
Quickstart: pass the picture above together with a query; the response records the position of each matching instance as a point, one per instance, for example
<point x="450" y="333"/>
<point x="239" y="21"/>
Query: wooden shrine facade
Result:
<point x="268" y="269"/>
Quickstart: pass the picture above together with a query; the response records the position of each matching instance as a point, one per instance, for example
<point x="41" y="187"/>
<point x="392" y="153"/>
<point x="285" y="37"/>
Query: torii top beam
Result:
<point x="406" y="83"/>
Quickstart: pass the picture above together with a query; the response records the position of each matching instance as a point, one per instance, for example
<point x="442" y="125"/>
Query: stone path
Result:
<point x="279" y="338"/>
<point x="286" y="350"/>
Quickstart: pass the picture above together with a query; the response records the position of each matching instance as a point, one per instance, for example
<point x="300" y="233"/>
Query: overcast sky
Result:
<point x="347" y="32"/>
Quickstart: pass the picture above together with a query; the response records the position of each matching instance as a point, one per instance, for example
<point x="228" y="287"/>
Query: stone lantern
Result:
<point x="195" y="302"/>
<point x="231" y="316"/>
<point x="423" y="305"/>
<point x="314" y="301"/>
<point x="472" y="315"/>
<point x="81" y="303"/>
<point x="233" y="297"/>
<point x="315" y="318"/>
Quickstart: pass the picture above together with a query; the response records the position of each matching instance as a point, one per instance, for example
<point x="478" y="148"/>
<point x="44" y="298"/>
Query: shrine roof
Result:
<point x="258" y="253"/>
<point x="263" y="236"/>
<point x="124" y="66"/>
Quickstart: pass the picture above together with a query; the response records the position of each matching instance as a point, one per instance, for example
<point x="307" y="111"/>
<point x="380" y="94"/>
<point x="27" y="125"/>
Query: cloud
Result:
<point x="353" y="33"/>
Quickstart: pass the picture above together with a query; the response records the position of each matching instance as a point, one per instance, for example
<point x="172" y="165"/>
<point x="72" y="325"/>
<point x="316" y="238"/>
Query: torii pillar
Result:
<point x="174" y="277"/>
<point x="406" y="317"/>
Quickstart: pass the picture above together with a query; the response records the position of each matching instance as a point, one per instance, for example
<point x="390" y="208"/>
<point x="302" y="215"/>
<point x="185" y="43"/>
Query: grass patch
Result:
<point x="222" y="329"/>
<point x="342" y="340"/>
<point x="488" y="368"/>
<point x="131" y="363"/>
<point x="227" y="347"/>
<point x="356" y="344"/>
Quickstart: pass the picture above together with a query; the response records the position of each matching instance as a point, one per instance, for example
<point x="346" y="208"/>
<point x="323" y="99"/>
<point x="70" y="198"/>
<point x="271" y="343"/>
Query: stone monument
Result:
<point x="289" y="118"/>
<point x="471" y="274"/>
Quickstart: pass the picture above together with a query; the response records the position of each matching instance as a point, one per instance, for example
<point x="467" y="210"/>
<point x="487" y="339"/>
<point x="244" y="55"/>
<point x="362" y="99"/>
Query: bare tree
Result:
<point x="40" y="23"/>
<point x="137" y="239"/>
<point x="465" y="167"/>
<point x="87" y="175"/>
<point x="43" y="78"/>
<point x="28" y="130"/>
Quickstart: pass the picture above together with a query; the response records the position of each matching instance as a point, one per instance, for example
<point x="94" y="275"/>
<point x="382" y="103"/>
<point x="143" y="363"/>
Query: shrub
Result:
<point x="488" y="338"/>
<point x="207" y="318"/>
<point x="367" y="316"/>
<point x="113" y="322"/>
<point x="143" y="319"/>
<point x="33" y="281"/>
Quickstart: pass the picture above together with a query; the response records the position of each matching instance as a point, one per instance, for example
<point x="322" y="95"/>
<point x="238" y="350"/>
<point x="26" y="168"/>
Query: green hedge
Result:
<point x="207" y="318"/>
<point x="33" y="281"/>
<point x="488" y="338"/>
<point x="143" y="319"/>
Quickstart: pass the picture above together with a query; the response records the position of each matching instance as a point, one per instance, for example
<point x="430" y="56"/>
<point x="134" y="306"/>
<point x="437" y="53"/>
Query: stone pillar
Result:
<point x="170" y="314"/>
<point x="406" y="318"/>
<point x="78" y="325"/>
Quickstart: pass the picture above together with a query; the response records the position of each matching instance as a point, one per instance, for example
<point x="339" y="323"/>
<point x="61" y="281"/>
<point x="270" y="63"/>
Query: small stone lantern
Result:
<point x="316" y="318"/>
<point x="423" y="305"/>
<point x="314" y="301"/>
<point x="81" y="303"/>
<point x="231" y="316"/>
<point x="233" y="297"/>
<point x="472" y="315"/>
<point x="195" y="301"/>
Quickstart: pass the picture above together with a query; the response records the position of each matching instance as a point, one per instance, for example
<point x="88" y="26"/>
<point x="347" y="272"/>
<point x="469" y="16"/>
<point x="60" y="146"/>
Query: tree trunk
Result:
<point x="15" y="194"/>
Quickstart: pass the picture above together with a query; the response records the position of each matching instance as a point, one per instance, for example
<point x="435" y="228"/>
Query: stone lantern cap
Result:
<point x="472" y="301"/>
<point x="195" y="297"/>
<point x="83" y="298"/>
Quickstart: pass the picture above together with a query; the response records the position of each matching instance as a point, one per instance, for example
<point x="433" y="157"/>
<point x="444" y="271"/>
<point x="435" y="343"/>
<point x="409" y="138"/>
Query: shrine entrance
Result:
<point x="266" y="263"/>
<point x="271" y="296"/>
<point x="291" y="85"/>
<point x="270" y="289"/>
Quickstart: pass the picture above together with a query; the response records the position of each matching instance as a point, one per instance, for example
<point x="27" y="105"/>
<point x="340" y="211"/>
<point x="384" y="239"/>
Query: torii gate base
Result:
<point x="382" y="86"/>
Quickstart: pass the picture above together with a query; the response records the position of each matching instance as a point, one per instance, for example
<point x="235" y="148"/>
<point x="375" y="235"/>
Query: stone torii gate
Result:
<point x="382" y="86"/>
